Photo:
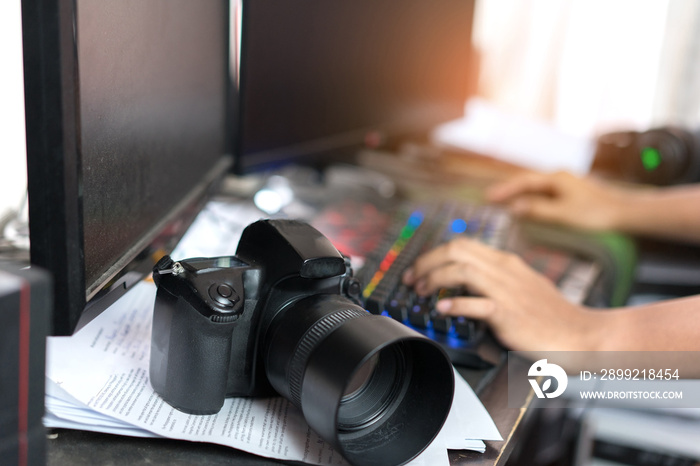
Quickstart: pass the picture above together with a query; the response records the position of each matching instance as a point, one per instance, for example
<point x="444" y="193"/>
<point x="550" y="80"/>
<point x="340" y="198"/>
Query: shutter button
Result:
<point x="223" y="295"/>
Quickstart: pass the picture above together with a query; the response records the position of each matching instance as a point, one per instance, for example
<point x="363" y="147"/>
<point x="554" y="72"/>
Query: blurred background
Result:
<point x="12" y="139"/>
<point x="582" y="66"/>
<point x="589" y="66"/>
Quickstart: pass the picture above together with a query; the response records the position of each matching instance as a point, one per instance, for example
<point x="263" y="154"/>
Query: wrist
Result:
<point x="627" y="210"/>
<point x="593" y="333"/>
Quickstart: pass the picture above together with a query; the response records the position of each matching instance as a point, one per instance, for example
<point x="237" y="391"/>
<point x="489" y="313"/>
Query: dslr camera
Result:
<point x="283" y="316"/>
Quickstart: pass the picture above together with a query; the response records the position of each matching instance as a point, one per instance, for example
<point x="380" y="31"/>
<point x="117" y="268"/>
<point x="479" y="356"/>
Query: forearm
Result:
<point x="670" y="213"/>
<point x="672" y="325"/>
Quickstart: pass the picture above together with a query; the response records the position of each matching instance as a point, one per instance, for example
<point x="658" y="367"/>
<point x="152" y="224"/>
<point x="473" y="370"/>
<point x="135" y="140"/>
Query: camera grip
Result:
<point x="190" y="356"/>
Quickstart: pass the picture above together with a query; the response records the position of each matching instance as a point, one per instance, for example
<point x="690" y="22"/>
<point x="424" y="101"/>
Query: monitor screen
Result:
<point x="126" y="135"/>
<point x="318" y="76"/>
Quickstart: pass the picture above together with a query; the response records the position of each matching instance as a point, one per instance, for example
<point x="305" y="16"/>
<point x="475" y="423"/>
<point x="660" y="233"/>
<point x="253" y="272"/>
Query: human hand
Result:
<point x="562" y="198"/>
<point x="523" y="308"/>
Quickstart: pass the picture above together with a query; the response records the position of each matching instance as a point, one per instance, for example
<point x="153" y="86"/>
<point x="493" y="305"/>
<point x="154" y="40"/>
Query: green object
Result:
<point x="616" y="253"/>
<point x="651" y="158"/>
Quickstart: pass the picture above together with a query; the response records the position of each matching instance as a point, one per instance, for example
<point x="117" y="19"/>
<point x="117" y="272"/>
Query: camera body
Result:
<point x="210" y="313"/>
<point x="282" y="317"/>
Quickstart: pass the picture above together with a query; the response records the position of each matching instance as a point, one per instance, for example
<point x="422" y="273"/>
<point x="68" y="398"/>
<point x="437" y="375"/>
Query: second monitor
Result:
<point x="318" y="77"/>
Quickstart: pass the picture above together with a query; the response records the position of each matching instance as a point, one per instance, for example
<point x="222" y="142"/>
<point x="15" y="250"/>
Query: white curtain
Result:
<point x="589" y="66"/>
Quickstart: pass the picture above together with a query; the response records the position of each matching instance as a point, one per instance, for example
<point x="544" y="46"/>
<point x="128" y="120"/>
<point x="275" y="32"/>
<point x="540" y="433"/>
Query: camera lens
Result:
<point x="373" y="388"/>
<point x="360" y="379"/>
<point x="370" y="392"/>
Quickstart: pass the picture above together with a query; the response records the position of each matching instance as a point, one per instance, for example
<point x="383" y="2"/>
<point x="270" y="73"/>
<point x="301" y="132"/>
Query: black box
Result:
<point x="25" y="312"/>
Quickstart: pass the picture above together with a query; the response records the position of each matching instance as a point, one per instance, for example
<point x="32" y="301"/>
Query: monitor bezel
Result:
<point x="54" y="184"/>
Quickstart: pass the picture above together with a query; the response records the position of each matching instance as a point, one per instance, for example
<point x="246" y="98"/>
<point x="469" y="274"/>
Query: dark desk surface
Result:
<point x="79" y="448"/>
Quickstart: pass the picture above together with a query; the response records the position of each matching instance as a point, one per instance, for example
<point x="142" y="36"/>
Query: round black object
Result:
<point x="375" y="389"/>
<point x="660" y="156"/>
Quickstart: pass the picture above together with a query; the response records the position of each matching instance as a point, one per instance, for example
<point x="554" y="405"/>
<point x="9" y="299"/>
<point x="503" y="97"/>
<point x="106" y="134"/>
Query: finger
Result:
<point x="528" y="183"/>
<point x="473" y="308"/>
<point x="435" y="258"/>
<point x="486" y="278"/>
<point x="451" y="275"/>
<point x="537" y="208"/>
<point x="460" y="250"/>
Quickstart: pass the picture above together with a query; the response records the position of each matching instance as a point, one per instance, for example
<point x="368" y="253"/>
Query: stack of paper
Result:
<point x="97" y="380"/>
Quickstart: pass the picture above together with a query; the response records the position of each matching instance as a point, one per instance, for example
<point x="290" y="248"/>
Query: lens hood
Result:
<point x="375" y="389"/>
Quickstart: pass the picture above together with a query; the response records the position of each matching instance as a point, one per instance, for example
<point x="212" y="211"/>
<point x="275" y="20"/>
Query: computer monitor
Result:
<point x="322" y="78"/>
<point x="126" y="135"/>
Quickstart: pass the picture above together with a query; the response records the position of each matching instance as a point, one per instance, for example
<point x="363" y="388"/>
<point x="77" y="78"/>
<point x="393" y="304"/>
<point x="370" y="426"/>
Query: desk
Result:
<point x="78" y="448"/>
<point x="75" y="447"/>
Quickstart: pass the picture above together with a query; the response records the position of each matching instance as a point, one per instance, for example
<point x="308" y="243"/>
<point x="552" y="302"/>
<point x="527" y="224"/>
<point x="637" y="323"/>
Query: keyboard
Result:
<point x="416" y="228"/>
